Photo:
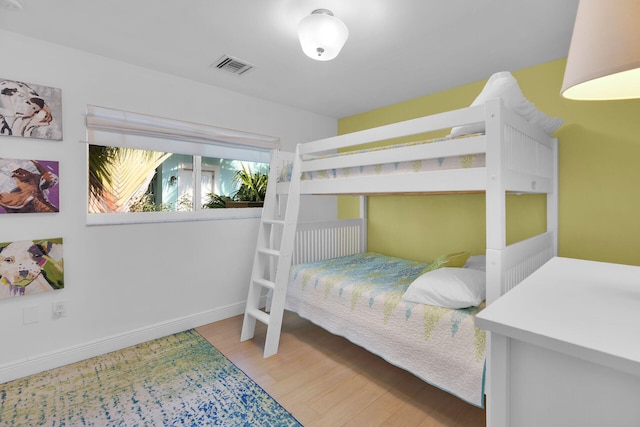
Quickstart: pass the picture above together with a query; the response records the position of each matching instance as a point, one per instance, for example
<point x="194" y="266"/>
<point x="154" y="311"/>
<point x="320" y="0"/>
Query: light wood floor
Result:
<point x="325" y="380"/>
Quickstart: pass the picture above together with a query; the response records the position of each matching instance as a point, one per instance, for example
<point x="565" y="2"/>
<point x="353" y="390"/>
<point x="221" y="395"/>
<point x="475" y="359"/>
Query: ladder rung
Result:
<point x="273" y="221"/>
<point x="264" y="282"/>
<point x="268" y="251"/>
<point x="258" y="315"/>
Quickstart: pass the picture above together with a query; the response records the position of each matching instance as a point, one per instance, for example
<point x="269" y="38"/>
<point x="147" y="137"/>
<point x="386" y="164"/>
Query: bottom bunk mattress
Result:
<point x="359" y="297"/>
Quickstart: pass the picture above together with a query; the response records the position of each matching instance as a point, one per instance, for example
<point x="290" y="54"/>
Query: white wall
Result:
<point x="128" y="283"/>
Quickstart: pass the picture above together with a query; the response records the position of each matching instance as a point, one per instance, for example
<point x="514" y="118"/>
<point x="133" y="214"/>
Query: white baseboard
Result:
<point x="65" y="356"/>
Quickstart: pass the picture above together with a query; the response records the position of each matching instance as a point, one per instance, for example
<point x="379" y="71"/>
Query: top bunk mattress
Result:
<point x="466" y="161"/>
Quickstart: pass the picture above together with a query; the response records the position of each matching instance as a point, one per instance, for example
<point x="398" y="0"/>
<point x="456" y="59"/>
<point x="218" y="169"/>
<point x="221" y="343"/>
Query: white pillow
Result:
<point x="477" y="262"/>
<point x="448" y="287"/>
<point x="504" y="85"/>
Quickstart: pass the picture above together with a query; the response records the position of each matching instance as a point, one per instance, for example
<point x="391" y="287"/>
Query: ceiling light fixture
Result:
<point x="322" y="35"/>
<point x="604" y="57"/>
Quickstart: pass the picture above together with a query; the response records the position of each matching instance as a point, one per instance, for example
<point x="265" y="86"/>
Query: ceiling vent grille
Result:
<point x="232" y="65"/>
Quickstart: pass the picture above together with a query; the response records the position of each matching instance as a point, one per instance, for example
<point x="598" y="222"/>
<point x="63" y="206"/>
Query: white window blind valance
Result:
<point x="111" y="127"/>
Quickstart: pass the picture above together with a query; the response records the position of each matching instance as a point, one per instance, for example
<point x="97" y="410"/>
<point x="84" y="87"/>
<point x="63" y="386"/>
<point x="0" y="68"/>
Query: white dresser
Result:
<point x="565" y="348"/>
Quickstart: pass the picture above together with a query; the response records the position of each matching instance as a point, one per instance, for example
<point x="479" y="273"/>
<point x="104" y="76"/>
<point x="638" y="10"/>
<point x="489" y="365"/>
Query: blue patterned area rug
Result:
<point x="179" y="380"/>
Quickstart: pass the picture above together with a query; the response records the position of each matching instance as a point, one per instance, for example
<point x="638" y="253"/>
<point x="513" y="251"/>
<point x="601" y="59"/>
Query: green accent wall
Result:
<point x="599" y="180"/>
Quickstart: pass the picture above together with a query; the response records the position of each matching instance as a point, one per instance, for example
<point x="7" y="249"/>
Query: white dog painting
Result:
<point x="30" y="110"/>
<point x="30" y="267"/>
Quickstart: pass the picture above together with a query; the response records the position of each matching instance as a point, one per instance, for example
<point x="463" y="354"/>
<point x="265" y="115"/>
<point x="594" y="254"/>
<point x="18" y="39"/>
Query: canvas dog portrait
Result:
<point x="28" y="186"/>
<point x="30" y="110"/>
<point x="30" y="267"/>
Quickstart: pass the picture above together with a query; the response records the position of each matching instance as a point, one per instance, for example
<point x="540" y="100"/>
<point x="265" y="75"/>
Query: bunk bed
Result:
<point x="312" y="268"/>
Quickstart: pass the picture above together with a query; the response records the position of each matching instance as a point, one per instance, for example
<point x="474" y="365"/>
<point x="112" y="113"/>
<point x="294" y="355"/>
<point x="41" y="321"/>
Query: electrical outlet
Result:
<point x="59" y="309"/>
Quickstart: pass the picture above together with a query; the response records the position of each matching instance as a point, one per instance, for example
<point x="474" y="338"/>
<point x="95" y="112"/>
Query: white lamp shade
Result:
<point x="322" y="35"/>
<point x="604" y="57"/>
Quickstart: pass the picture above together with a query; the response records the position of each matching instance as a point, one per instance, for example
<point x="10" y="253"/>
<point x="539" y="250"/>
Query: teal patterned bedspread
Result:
<point x="364" y="275"/>
<point x="360" y="297"/>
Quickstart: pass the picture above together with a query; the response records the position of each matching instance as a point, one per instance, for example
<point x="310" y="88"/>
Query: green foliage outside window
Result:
<point x="253" y="188"/>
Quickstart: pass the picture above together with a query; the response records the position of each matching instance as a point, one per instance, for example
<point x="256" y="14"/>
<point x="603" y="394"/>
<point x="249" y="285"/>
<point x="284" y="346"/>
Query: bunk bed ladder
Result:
<point x="274" y="249"/>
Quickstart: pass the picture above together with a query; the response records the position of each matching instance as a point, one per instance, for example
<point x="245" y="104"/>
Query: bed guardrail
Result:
<point x="517" y="262"/>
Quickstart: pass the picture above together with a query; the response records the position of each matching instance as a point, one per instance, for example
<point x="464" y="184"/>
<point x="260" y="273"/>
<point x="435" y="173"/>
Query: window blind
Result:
<point x="116" y="128"/>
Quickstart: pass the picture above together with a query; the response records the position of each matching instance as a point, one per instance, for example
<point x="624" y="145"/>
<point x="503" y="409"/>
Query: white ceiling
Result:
<point x="397" y="50"/>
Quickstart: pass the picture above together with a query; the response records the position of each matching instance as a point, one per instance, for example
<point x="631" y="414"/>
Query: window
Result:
<point x="149" y="169"/>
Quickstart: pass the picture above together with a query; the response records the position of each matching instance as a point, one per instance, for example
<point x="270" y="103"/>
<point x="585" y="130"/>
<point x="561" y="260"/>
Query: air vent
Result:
<point x="232" y="65"/>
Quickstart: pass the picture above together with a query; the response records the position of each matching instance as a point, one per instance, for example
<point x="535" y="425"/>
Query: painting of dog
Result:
<point x="28" y="186"/>
<point x="30" y="110"/>
<point x="31" y="267"/>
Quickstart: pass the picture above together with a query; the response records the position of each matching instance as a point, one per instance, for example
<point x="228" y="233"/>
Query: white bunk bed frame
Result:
<point x="520" y="158"/>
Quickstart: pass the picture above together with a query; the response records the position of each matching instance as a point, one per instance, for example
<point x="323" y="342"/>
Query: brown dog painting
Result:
<point x="28" y="186"/>
<point x="30" y="110"/>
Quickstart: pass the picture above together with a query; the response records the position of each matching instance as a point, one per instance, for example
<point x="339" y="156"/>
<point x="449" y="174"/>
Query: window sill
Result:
<point x="160" y="217"/>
